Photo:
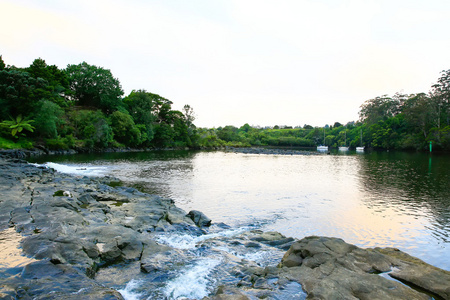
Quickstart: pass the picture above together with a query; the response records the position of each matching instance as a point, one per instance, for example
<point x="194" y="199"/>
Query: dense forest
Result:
<point x="83" y="107"/>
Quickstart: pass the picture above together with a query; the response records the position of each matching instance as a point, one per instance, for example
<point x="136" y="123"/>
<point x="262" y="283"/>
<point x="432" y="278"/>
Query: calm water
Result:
<point x="371" y="200"/>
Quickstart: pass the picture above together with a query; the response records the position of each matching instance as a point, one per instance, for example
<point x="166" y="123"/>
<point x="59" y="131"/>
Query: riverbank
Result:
<point x="90" y="238"/>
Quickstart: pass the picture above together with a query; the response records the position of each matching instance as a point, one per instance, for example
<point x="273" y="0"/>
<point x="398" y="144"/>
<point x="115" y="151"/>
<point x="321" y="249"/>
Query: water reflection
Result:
<point x="412" y="184"/>
<point x="10" y="259"/>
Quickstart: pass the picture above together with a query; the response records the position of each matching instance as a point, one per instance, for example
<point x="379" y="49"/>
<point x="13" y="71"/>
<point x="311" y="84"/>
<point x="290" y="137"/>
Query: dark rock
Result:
<point x="228" y="293"/>
<point x="44" y="280"/>
<point x="199" y="218"/>
<point x="252" y="245"/>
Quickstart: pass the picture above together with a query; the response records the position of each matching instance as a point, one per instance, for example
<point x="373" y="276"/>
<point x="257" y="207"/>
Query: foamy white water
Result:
<point x="129" y="293"/>
<point x="186" y="241"/>
<point x="85" y="170"/>
<point x="193" y="283"/>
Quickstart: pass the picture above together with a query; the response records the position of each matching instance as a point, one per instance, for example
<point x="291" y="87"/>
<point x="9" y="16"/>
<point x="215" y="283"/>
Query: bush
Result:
<point x="124" y="129"/>
<point x="18" y="144"/>
<point x="48" y="118"/>
<point x="56" y="144"/>
<point x="92" y="125"/>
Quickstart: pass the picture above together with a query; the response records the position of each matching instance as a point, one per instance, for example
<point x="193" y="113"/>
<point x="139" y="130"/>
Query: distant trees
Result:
<point x="410" y="121"/>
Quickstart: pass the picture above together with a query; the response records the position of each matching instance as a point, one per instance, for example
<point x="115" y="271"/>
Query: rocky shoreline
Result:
<point x="89" y="235"/>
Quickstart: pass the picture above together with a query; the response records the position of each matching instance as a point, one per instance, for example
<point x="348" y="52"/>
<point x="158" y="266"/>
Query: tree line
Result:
<point x="400" y="122"/>
<point x="83" y="106"/>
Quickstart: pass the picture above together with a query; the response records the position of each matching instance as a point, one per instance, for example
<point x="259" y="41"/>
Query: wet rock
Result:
<point x="44" y="280"/>
<point x="199" y="218"/>
<point x="418" y="273"/>
<point x="328" y="268"/>
<point x="156" y="257"/>
<point x="272" y="238"/>
<point x="228" y="293"/>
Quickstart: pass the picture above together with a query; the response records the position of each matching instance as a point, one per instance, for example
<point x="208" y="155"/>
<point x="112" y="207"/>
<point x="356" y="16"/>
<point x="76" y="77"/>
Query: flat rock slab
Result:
<point x="329" y="268"/>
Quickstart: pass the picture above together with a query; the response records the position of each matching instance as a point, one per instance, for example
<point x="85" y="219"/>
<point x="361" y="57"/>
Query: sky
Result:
<point x="261" y="62"/>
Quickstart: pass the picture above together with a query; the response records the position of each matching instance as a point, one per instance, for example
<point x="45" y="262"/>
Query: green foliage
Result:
<point x="378" y="109"/>
<point x="2" y="64"/>
<point x="228" y="134"/>
<point x="19" y="93"/>
<point x="17" y="125"/>
<point x="56" y="144"/>
<point x="94" y="86"/>
<point x="47" y="119"/>
<point x="16" y="144"/>
<point x="124" y="129"/>
<point x="141" y="105"/>
<point x="93" y="126"/>
<point x="56" y="87"/>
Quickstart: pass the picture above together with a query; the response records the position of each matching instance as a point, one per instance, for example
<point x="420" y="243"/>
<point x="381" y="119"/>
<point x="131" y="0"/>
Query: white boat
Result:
<point x="361" y="148"/>
<point x="322" y="147"/>
<point x="344" y="148"/>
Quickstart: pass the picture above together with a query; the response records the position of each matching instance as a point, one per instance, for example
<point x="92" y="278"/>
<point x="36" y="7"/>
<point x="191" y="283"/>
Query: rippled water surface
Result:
<point x="371" y="200"/>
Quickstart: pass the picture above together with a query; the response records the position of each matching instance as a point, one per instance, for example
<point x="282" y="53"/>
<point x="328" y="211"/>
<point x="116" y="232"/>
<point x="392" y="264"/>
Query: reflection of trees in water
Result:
<point x="409" y="182"/>
<point x="161" y="173"/>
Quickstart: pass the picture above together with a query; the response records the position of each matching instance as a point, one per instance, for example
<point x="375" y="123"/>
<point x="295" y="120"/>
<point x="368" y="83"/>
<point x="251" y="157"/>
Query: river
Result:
<point x="375" y="199"/>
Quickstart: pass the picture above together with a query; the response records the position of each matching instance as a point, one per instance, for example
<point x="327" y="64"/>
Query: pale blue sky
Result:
<point x="262" y="62"/>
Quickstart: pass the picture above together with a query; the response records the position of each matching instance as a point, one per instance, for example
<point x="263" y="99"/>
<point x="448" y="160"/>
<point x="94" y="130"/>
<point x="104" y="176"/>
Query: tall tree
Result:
<point x="94" y="86"/>
<point x="19" y="93"/>
<point x="2" y="64"/>
<point x="140" y="104"/>
<point x="57" y="87"/>
<point x="379" y="109"/>
<point x="189" y="117"/>
<point x="441" y="95"/>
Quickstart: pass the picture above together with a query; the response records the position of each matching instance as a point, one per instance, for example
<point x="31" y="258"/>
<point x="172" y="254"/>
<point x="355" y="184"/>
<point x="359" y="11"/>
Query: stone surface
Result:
<point x="199" y="218"/>
<point x="76" y="226"/>
<point x="329" y="268"/>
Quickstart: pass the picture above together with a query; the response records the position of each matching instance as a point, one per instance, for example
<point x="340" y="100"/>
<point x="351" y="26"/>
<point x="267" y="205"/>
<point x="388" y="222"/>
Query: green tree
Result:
<point x="124" y="129"/>
<point x="91" y="126"/>
<point x="2" y="64"/>
<point x="140" y="105"/>
<point x="441" y="94"/>
<point x="94" y="86"/>
<point x="47" y="119"/>
<point x="19" y="93"/>
<point x="379" y="108"/>
<point x="245" y="128"/>
<point x="228" y="133"/>
<point x="56" y="88"/>
<point x="418" y="113"/>
<point x="189" y="117"/>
